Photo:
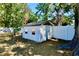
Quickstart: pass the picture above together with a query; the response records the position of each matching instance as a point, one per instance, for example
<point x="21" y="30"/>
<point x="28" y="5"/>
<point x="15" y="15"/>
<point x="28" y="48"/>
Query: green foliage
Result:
<point x="12" y="15"/>
<point x="66" y="21"/>
<point x="32" y="17"/>
<point x="43" y="9"/>
<point x="60" y="9"/>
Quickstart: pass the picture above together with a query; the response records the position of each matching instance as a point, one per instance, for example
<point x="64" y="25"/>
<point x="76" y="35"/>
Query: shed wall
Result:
<point x="40" y="33"/>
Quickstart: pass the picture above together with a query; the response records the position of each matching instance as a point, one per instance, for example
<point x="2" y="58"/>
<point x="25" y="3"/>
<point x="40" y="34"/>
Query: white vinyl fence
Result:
<point x="63" y="32"/>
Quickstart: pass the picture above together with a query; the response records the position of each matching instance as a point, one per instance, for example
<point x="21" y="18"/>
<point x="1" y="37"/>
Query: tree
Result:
<point x="74" y="44"/>
<point x="53" y="11"/>
<point x="66" y="21"/>
<point x="1" y="14"/>
<point x="13" y="14"/>
<point x="43" y="9"/>
<point x="33" y="17"/>
<point x="58" y="10"/>
<point x="76" y="39"/>
<point x="27" y="12"/>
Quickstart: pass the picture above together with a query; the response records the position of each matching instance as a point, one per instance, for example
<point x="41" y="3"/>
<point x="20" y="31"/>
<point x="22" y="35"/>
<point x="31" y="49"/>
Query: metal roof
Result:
<point x="39" y="23"/>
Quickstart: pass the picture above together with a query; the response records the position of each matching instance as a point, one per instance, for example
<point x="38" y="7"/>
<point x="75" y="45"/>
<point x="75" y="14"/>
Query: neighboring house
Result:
<point x="42" y="31"/>
<point x="3" y="30"/>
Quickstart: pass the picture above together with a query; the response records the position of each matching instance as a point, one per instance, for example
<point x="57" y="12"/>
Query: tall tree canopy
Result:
<point x="55" y="11"/>
<point x="60" y="13"/>
<point x="12" y="15"/>
<point x="43" y="9"/>
<point x="33" y="17"/>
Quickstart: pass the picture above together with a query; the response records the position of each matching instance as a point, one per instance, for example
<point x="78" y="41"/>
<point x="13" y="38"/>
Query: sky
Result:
<point x="32" y="6"/>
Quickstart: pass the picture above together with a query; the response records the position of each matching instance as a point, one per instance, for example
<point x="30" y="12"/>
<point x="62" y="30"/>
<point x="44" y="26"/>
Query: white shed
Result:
<point x="38" y="32"/>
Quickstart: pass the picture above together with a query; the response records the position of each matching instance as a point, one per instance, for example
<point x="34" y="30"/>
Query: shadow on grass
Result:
<point x="9" y="42"/>
<point x="46" y="48"/>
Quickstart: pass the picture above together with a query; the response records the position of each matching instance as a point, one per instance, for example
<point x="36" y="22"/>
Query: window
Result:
<point x="26" y="32"/>
<point x="33" y="32"/>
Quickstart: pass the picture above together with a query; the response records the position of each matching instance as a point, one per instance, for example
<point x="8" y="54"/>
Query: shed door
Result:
<point x="47" y="31"/>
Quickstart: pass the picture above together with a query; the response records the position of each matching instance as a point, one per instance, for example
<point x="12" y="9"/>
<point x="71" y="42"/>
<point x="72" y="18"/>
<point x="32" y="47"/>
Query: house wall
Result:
<point x="5" y="29"/>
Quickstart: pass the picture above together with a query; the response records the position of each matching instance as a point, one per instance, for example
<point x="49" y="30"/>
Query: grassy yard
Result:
<point x="19" y="47"/>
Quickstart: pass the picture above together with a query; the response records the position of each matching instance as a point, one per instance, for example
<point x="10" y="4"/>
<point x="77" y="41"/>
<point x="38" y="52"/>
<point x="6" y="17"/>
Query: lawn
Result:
<point x="20" y="47"/>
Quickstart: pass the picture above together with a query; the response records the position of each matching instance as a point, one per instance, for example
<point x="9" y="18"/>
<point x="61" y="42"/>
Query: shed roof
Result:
<point x="48" y="22"/>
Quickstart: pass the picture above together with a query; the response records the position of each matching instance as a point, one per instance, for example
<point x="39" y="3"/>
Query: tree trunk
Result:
<point x="75" y="41"/>
<point x="74" y="44"/>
